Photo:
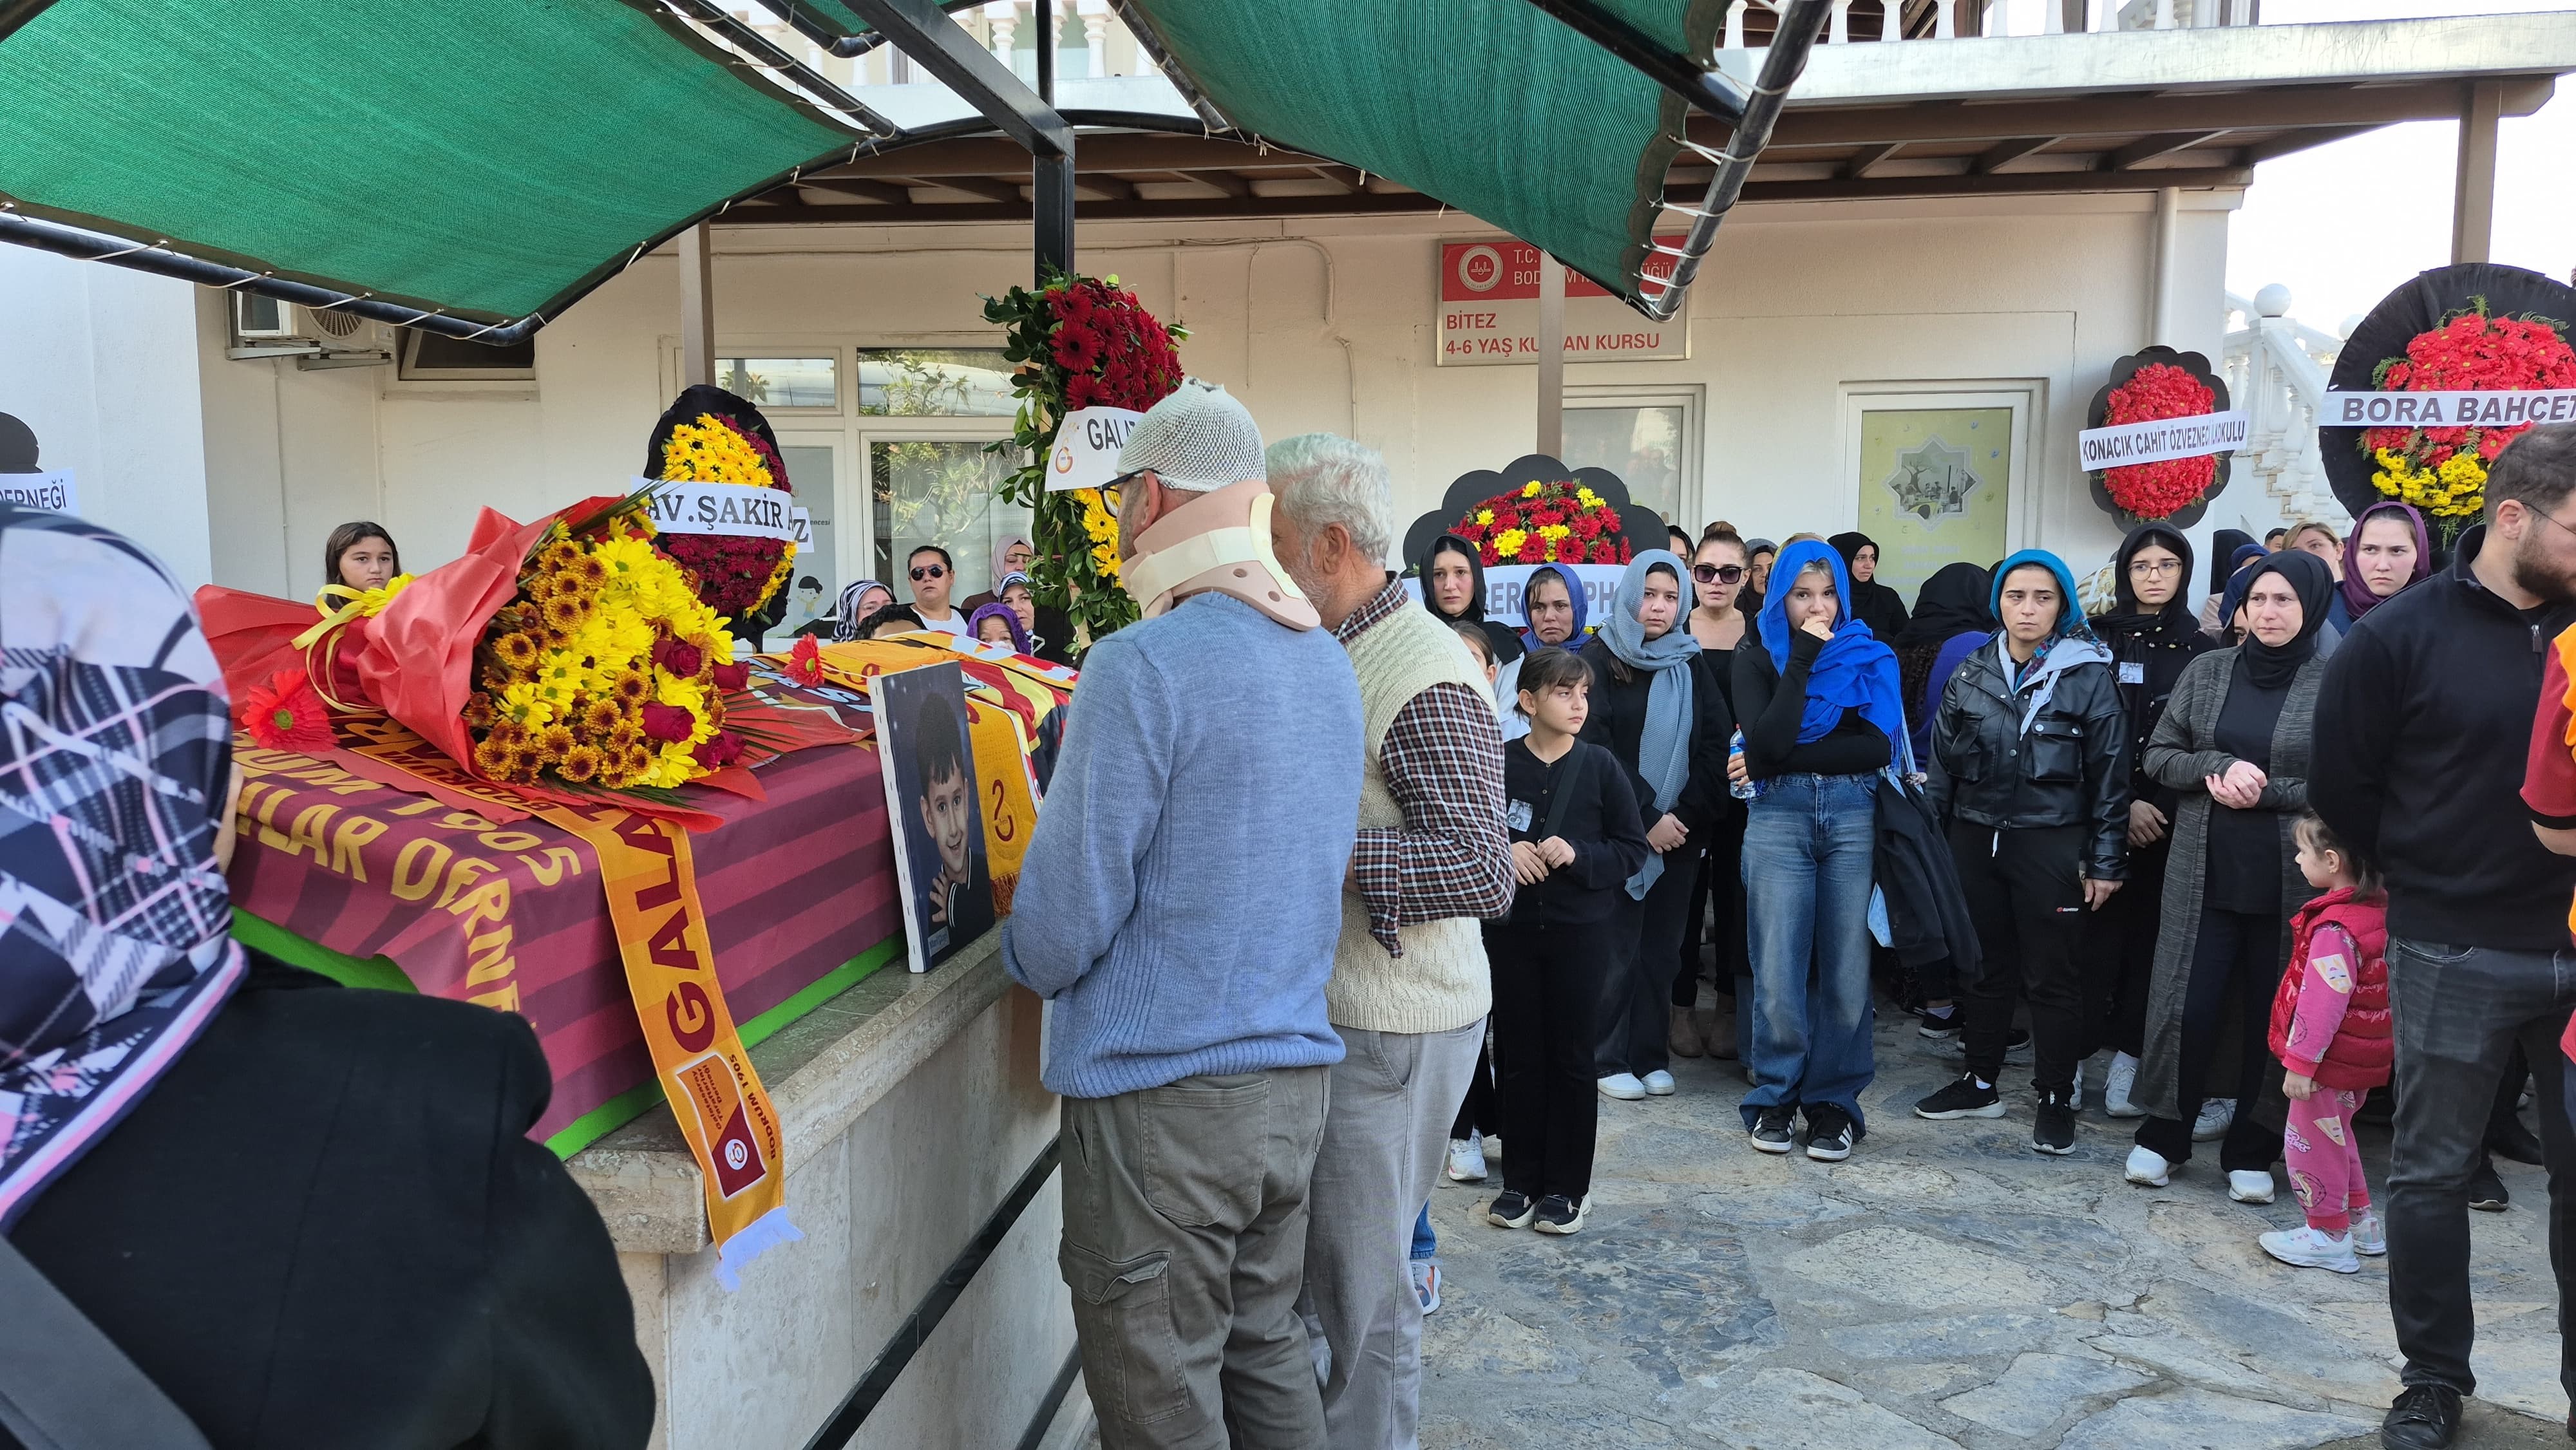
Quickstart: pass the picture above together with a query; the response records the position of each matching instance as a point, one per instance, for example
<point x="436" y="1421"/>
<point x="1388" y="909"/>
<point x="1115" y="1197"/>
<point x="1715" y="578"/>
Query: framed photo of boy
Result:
<point x="931" y="811"/>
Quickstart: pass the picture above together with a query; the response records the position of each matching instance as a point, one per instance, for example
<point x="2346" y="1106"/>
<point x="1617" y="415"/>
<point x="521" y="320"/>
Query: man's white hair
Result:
<point x="1323" y="479"/>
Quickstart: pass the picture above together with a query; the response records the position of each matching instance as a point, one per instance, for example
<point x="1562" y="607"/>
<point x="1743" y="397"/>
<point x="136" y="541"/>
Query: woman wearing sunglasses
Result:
<point x="1721" y="569"/>
<point x="934" y="578"/>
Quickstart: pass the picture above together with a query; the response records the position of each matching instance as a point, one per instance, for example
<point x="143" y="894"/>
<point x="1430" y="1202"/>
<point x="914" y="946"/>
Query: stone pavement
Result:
<point x="1945" y="1287"/>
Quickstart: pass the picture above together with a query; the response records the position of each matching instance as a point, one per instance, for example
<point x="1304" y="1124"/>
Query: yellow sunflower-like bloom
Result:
<point x="1508" y="542"/>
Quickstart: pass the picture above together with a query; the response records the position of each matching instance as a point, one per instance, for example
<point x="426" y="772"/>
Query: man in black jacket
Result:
<point x="2418" y="767"/>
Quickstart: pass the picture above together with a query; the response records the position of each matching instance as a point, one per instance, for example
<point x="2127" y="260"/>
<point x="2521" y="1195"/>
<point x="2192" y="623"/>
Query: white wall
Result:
<point x="1323" y="324"/>
<point x="102" y="363"/>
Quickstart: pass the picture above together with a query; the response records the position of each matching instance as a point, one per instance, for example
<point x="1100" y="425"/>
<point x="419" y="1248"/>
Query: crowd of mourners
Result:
<point x="1341" y="884"/>
<point x="2250" y="853"/>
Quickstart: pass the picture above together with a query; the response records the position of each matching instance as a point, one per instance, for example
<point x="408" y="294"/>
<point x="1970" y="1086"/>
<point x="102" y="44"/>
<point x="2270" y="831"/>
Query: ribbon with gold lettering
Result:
<point x="698" y="1056"/>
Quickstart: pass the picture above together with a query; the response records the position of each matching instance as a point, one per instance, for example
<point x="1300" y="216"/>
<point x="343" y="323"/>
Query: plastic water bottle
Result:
<point x="1748" y="788"/>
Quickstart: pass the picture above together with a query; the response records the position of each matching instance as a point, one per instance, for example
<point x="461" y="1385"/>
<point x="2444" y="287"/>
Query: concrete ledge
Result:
<point x="822" y="1072"/>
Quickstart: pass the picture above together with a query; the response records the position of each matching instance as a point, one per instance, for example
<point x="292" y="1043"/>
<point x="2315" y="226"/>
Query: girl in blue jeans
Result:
<point x="1820" y="700"/>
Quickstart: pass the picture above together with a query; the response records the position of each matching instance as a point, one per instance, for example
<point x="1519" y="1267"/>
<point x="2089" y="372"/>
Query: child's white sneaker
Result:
<point x="1466" y="1159"/>
<point x="2250" y="1185"/>
<point x="2148" y="1168"/>
<point x="2369" y="1235"/>
<point x="2305" y="1248"/>
<point x="2121" y="1081"/>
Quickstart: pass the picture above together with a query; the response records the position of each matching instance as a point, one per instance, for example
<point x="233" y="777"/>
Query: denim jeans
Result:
<point x="1808" y="848"/>
<point x="1426" y="1244"/>
<point x="2459" y="1011"/>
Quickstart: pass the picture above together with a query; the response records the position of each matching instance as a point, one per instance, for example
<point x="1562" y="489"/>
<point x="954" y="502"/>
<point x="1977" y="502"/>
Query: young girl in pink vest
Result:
<point x="2330" y="1030"/>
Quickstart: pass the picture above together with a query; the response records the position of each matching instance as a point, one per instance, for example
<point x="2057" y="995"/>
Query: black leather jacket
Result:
<point x="2069" y="769"/>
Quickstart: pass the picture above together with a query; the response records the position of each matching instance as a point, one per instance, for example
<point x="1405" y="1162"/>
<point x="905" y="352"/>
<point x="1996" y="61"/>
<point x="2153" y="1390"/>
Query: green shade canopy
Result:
<point x="494" y="160"/>
<point x="1497" y="109"/>
<point x="484" y="157"/>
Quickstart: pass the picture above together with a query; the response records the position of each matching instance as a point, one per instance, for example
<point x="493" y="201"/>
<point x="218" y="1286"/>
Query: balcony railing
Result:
<point x="1750" y="22"/>
<point x="2276" y="371"/>
<point x="1091" y="43"/>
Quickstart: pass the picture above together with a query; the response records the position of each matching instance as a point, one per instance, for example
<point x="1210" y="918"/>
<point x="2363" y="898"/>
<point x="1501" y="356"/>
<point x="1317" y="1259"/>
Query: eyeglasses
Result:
<point x="929" y="571"/>
<point x="2571" y="528"/>
<point x="2153" y="569"/>
<point x="1717" y="573"/>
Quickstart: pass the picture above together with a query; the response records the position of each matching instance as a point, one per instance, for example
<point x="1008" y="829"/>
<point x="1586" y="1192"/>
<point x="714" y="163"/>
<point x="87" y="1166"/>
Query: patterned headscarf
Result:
<point x="115" y="752"/>
<point x="847" y="616"/>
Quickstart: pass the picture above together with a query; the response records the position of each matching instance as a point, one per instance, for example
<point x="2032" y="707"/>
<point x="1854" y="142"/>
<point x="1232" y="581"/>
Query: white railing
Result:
<point x="2276" y="372"/>
<point x="1101" y="46"/>
<point x="2017" y="17"/>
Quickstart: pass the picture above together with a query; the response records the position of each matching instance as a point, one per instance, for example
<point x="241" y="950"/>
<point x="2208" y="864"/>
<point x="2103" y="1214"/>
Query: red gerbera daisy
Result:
<point x="805" y="662"/>
<point x="285" y="714"/>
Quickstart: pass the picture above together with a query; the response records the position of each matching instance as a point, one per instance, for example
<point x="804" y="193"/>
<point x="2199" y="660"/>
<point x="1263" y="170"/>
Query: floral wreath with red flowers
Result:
<point x="1545" y="521"/>
<point x="1079" y="342"/>
<point x="735" y="574"/>
<point x="2149" y="386"/>
<point x="2443" y="471"/>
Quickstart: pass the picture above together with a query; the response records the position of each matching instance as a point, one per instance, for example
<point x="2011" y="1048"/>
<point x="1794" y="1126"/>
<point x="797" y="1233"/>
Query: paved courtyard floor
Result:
<point x="1945" y="1287"/>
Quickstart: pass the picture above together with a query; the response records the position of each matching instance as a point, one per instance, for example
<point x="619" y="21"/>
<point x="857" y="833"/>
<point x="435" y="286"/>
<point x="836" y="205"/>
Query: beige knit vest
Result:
<point x="1441" y="981"/>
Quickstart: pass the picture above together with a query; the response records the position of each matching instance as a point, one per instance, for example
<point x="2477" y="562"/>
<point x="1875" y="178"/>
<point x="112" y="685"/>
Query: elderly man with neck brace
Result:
<point x="1410" y="985"/>
<point x="1180" y="905"/>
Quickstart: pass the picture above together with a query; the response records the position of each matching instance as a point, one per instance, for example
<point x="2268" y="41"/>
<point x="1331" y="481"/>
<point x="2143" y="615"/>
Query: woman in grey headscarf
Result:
<point x="857" y="602"/>
<point x="228" y="1166"/>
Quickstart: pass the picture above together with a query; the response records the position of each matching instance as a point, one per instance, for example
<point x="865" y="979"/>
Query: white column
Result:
<point x="1095" y="36"/>
<point x="1551" y="356"/>
<point x="1890" y="15"/>
<point x="1945" y="26"/>
<point x="1735" y="24"/>
<point x="1842" y="23"/>
<point x="1003" y="17"/>
<point x="2473" y="182"/>
<point x="2168" y="225"/>
<point x="697" y="306"/>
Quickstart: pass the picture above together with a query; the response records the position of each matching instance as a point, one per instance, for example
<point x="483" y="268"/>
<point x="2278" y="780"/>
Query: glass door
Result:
<point x="938" y="485"/>
<point x="814" y="583"/>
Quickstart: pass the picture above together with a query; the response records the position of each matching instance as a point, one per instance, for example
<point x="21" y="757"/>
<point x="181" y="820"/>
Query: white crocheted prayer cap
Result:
<point x="1199" y="439"/>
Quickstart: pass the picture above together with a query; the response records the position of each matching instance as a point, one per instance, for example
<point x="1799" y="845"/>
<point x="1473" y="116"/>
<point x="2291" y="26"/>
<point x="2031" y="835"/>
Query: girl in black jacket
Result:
<point x="2029" y="768"/>
<point x="1576" y="840"/>
<point x="2151" y="634"/>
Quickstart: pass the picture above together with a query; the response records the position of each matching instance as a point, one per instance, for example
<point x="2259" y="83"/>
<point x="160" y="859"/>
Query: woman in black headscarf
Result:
<point x="1873" y="603"/>
<point x="2152" y="634"/>
<point x="2234" y="747"/>
<point x="1453" y="587"/>
<point x="1949" y="609"/>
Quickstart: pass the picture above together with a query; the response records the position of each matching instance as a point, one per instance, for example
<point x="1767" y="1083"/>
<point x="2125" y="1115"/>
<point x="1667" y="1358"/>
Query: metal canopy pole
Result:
<point x="1709" y="90"/>
<point x="1051" y="177"/>
<point x="1781" y="65"/>
<point x="921" y="30"/>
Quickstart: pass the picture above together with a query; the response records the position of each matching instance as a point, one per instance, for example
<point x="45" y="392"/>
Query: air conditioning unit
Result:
<point x="264" y="327"/>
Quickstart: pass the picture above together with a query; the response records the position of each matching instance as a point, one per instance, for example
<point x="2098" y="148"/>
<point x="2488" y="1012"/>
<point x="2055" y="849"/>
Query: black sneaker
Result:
<point x="2055" y="1130"/>
<point x="2425" y="1417"/>
<point x="1829" y="1133"/>
<point x="1510" y="1209"/>
<point x="1558" y="1214"/>
<point x="1776" y="1130"/>
<point x="1939" y="1029"/>
<point x="2509" y="1138"/>
<point x="2486" y="1190"/>
<point x="1962" y="1099"/>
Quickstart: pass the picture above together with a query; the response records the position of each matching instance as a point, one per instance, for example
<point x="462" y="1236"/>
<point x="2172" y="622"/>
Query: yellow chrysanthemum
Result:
<point x="707" y="451"/>
<point x="1508" y="542"/>
<point x="1530" y="489"/>
<point x="1484" y="517"/>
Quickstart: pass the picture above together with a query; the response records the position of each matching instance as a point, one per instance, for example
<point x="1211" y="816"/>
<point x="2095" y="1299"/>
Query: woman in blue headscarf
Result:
<point x="1656" y="706"/>
<point x="1553" y="611"/>
<point x="2029" y="771"/>
<point x="1821" y="700"/>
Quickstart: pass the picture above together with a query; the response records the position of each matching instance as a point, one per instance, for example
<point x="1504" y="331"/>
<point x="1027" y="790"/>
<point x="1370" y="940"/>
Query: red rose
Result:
<point x="669" y="722"/>
<point x="719" y="750"/>
<point x="679" y="657"/>
<point x="735" y="676"/>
